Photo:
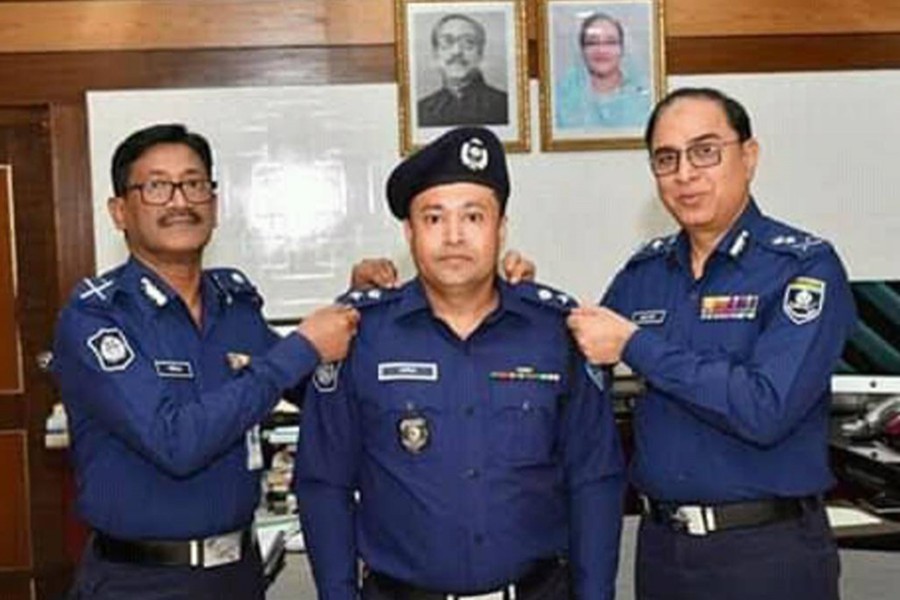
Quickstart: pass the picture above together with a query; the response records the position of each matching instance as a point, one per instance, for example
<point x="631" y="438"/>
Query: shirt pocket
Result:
<point x="525" y="414"/>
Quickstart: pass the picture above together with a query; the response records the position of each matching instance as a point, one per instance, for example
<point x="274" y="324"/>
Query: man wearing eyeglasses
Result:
<point x="166" y="369"/>
<point x="465" y="98"/>
<point x="735" y="324"/>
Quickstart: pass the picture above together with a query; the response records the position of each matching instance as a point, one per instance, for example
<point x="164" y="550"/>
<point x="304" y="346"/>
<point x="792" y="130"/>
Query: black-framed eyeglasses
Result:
<point x="701" y="155"/>
<point x="465" y="41"/>
<point x="158" y="192"/>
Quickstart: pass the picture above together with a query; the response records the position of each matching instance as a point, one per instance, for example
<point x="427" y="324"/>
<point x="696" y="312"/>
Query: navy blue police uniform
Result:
<point x="163" y="415"/>
<point x="731" y="434"/>
<point x="456" y="467"/>
<point x="479" y="463"/>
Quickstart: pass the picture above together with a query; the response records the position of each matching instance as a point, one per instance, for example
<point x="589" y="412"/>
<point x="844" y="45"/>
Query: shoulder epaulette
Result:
<point x="95" y="290"/>
<point x="655" y="247"/>
<point x="231" y="282"/>
<point x="98" y="290"/>
<point x="545" y="296"/>
<point x="795" y="242"/>
<point x="368" y="298"/>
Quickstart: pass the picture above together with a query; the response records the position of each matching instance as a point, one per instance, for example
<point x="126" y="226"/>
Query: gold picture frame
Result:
<point x="602" y="69"/>
<point x="475" y="74"/>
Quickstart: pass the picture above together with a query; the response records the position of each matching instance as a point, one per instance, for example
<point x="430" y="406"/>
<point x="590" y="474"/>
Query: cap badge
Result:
<point x="474" y="155"/>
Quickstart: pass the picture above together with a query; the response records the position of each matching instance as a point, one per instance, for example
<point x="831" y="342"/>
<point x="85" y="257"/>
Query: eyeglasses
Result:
<point x="701" y="155"/>
<point x="466" y="42"/>
<point x="159" y="192"/>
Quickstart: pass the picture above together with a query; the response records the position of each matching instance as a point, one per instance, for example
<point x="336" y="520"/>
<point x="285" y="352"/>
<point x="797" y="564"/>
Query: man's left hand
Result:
<point x="600" y="333"/>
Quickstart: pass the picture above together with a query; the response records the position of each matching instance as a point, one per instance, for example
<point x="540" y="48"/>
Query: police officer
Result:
<point x="165" y="370"/>
<point x="735" y="323"/>
<point x="461" y="449"/>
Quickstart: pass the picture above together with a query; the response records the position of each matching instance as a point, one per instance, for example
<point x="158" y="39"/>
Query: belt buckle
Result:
<point x="217" y="550"/>
<point x="506" y="593"/>
<point x="695" y="520"/>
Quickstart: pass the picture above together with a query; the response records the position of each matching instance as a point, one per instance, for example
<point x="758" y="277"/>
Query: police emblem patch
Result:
<point x="414" y="434"/>
<point x="803" y="299"/>
<point x="474" y="155"/>
<point x="325" y="378"/>
<point x="111" y="348"/>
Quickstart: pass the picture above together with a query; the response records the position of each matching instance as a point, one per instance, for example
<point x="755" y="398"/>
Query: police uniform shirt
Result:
<point x="737" y="363"/>
<point x="472" y="458"/>
<point x="159" y="409"/>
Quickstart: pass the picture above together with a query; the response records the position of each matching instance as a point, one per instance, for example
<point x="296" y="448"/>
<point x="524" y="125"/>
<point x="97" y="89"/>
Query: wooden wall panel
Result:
<point x="15" y="548"/>
<point x="78" y="25"/>
<point x="171" y="24"/>
<point x="10" y="350"/>
<point x="717" y="18"/>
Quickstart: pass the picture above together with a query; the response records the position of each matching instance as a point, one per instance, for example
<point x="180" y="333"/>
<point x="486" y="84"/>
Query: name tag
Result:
<point x="729" y="308"/>
<point x="407" y="371"/>
<point x="175" y="369"/>
<point x="648" y="317"/>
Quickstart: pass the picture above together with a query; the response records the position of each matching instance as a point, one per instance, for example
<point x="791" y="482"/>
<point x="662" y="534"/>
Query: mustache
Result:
<point x="168" y="218"/>
<point x="458" y="59"/>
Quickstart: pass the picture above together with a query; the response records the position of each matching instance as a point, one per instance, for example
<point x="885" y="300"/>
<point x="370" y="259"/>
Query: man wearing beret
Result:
<point x="460" y="451"/>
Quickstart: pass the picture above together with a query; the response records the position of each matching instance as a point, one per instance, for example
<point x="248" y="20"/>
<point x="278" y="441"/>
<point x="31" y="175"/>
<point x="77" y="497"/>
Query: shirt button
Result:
<point x="472" y="474"/>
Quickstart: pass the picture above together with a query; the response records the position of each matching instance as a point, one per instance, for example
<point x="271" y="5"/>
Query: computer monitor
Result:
<point x="870" y="362"/>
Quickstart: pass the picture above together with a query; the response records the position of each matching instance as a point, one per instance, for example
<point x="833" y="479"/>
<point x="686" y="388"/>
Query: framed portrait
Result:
<point x="602" y="70"/>
<point x="462" y="63"/>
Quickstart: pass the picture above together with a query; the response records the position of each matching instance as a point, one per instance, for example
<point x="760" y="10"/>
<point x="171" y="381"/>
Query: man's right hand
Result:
<point x="373" y="272"/>
<point x="330" y="330"/>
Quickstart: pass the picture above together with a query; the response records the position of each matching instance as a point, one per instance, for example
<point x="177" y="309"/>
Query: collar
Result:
<point x="152" y="293"/>
<point x="734" y="243"/>
<point x="475" y="81"/>
<point x="413" y="300"/>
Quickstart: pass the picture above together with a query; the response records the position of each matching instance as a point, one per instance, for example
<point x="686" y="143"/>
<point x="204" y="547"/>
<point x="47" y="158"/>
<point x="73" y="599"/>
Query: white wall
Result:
<point x="303" y="168"/>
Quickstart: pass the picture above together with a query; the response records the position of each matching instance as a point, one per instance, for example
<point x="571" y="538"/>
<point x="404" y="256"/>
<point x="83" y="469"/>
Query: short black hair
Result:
<point x="480" y="34"/>
<point x="134" y="146"/>
<point x="600" y="16"/>
<point x="735" y="112"/>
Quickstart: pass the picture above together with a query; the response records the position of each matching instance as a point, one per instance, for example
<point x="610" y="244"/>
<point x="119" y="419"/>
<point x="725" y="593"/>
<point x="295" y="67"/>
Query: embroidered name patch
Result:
<point x="407" y="371"/>
<point x="729" y="308"/>
<point x="648" y="317"/>
<point x="803" y="299"/>
<point x="175" y="369"/>
<point x="111" y="348"/>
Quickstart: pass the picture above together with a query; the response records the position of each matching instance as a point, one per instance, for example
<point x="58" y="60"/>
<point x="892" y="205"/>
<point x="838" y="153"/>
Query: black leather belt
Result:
<point x="172" y="553"/>
<point x="534" y="578"/>
<point x="701" y="519"/>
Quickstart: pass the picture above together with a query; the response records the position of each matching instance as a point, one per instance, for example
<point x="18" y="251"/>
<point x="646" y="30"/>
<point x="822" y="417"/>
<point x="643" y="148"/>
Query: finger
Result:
<point x="509" y="264"/>
<point x="388" y="273"/>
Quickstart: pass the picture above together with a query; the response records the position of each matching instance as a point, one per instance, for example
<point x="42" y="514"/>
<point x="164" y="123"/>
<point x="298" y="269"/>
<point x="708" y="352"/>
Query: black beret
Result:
<point x="469" y="154"/>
